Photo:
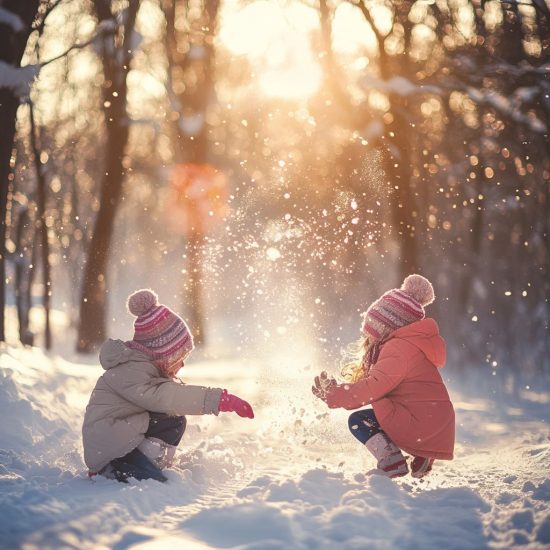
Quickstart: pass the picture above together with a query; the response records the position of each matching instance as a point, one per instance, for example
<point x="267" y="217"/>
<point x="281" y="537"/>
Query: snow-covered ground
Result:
<point x="292" y="478"/>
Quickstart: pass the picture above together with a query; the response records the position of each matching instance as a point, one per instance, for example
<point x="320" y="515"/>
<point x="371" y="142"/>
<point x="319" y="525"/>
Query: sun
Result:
<point x="277" y="38"/>
<point x="277" y="41"/>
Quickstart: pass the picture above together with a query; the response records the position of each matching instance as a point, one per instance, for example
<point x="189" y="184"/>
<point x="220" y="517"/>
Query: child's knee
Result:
<point x="354" y="422"/>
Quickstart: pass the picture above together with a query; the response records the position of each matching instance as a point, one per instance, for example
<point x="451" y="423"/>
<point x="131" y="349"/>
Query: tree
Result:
<point x="116" y="55"/>
<point x="16" y="19"/>
<point x="190" y="52"/>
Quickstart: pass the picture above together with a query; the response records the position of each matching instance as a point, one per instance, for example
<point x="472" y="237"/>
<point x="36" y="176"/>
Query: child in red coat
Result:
<point x="399" y="376"/>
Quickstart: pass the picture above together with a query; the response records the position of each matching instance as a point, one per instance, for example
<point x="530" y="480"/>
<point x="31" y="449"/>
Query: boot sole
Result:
<point x="397" y="470"/>
<point x="424" y="469"/>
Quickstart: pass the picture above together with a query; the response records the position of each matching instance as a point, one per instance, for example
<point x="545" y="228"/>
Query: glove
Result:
<point x="323" y="386"/>
<point x="232" y="403"/>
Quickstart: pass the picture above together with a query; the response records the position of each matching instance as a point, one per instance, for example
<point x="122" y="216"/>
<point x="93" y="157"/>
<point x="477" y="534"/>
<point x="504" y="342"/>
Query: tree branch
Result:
<point x="378" y="35"/>
<point x="104" y="28"/>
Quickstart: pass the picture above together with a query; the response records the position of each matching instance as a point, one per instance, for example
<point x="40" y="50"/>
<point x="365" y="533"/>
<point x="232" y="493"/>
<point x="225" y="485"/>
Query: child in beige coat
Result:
<point x="136" y="414"/>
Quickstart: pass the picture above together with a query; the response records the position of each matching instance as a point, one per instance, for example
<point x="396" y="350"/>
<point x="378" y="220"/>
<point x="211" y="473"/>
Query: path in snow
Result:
<point x="292" y="478"/>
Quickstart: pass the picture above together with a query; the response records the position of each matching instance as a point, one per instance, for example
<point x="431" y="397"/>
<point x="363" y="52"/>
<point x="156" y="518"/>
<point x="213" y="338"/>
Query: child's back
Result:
<point x="136" y="415"/>
<point x="117" y="415"/>
<point x="399" y="376"/>
<point x="418" y="411"/>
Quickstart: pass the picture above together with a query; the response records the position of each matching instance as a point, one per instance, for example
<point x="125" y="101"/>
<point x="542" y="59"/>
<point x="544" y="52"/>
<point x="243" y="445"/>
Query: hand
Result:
<point x="232" y="403"/>
<point x="323" y="386"/>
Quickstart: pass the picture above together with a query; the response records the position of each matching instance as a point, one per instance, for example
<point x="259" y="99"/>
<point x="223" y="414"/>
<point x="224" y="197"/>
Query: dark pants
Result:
<point x="363" y="425"/>
<point x="135" y="464"/>
<point x="168" y="428"/>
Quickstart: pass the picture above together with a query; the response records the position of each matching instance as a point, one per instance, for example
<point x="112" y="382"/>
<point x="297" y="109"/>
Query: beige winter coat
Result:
<point x="116" y="417"/>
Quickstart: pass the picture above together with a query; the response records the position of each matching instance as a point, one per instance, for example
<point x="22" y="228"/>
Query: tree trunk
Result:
<point x="12" y="47"/>
<point x="194" y="286"/>
<point x="194" y="148"/>
<point x="93" y="304"/>
<point x="42" y="230"/>
<point x="398" y="139"/>
<point x="8" y="110"/>
<point x="24" y="271"/>
<point x="401" y="136"/>
<point x="401" y="194"/>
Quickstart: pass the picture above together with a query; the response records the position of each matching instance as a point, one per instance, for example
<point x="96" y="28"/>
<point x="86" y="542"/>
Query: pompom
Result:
<point x="419" y="289"/>
<point x="141" y="301"/>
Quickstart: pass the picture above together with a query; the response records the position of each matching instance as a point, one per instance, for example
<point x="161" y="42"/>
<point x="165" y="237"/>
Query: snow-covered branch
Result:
<point x="468" y="67"/>
<point x="508" y="107"/>
<point x="142" y="121"/>
<point x="104" y="28"/>
<point x="18" y="79"/>
<point x="399" y="85"/>
<point x="539" y="5"/>
<point x="11" y="19"/>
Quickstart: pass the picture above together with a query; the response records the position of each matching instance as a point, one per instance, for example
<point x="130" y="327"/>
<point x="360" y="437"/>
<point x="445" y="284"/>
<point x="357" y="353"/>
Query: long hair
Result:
<point x="353" y="362"/>
<point x="359" y="358"/>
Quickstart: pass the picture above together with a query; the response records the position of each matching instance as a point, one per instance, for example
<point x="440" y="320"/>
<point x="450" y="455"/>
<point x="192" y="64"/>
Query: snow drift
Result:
<point x="292" y="478"/>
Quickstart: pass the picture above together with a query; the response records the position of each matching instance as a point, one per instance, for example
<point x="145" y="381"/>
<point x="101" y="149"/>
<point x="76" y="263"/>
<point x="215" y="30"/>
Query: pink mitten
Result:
<point x="232" y="403"/>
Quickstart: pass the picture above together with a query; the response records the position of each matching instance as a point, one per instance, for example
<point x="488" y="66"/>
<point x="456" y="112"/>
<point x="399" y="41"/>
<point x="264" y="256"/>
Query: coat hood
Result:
<point x="115" y="352"/>
<point x="425" y="336"/>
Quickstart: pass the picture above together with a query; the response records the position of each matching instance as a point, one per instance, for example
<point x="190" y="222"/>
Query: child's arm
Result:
<point x="157" y="394"/>
<point x="386" y="374"/>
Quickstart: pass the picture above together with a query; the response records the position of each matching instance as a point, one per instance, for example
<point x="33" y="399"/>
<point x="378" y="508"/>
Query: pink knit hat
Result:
<point x="398" y="307"/>
<point x="158" y="331"/>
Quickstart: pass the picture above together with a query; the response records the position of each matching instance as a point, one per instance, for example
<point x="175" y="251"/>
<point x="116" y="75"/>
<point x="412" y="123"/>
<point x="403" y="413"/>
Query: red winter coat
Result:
<point x="408" y="395"/>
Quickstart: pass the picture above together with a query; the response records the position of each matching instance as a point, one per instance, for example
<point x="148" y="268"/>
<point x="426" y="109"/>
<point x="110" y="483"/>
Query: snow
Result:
<point x="18" y="79"/>
<point x="399" y="85"/>
<point x="291" y="478"/>
<point x="191" y="124"/>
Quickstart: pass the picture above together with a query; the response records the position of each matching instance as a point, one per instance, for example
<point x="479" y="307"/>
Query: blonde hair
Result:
<point x="352" y="363"/>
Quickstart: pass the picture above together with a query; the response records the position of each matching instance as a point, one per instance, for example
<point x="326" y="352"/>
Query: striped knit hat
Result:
<point x="398" y="307"/>
<point x="158" y="331"/>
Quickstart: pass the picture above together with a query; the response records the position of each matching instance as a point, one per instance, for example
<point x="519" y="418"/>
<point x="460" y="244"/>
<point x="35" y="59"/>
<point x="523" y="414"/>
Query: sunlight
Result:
<point x="290" y="69"/>
<point x="277" y="41"/>
<point x="250" y="30"/>
<point x="350" y="31"/>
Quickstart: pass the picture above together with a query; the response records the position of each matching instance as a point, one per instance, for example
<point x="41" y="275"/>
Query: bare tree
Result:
<point x="190" y="54"/>
<point x="16" y="19"/>
<point x="24" y="271"/>
<point x="116" y="56"/>
<point x="42" y="228"/>
<point x="396" y="140"/>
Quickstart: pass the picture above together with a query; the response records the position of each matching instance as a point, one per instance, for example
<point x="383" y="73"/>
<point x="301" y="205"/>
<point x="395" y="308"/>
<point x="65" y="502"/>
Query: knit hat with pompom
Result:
<point x="398" y="307"/>
<point x="158" y="331"/>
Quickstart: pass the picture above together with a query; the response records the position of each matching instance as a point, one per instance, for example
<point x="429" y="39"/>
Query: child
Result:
<point x="135" y="418"/>
<point x="398" y="374"/>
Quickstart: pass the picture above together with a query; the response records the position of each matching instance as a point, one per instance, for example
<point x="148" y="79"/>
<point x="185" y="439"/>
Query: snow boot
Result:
<point x="421" y="466"/>
<point x="168" y="459"/>
<point x="158" y="451"/>
<point x="110" y="472"/>
<point x="391" y="461"/>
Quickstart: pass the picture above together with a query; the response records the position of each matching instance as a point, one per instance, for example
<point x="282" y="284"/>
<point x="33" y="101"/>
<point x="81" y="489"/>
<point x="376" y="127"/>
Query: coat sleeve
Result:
<point x="159" y="394"/>
<point x="385" y="375"/>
